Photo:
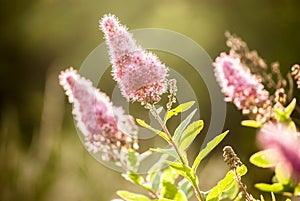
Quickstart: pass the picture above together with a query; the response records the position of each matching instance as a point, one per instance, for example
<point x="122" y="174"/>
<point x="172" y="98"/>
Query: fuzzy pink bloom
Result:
<point x="285" y="143"/>
<point x="94" y="114"/>
<point x="140" y="75"/>
<point x="240" y="86"/>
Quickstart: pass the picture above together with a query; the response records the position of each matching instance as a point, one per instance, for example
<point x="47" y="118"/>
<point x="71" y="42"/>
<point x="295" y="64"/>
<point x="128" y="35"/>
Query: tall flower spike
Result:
<point x="242" y="88"/>
<point x="140" y="74"/>
<point x="285" y="143"/>
<point x="95" y="118"/>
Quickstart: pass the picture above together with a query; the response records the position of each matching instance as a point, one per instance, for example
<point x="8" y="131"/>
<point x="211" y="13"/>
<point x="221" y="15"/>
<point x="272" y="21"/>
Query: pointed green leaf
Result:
<point x="189" y="134"/>
<point x="171" y="152"/>
<point x="280" y="115"/>
<point x="290" y="108"/>
<point x="156" y="181"/>
<point x="209" y="147"/>
<point x="160" y="133"/>
<point x="180" y="108"/>
<point x="231" y="193"/>
<point x="128" y="196"/>
<point x="184" y="171"/>
<point x="143" y="155"/>
<point x="261" y="159"/>
<point x="182" y="126"/>
<point x="225" y="184"/>
<point x="276" y="188"/>
<point x="133" y="177"/>
<point x="251" y="123"/>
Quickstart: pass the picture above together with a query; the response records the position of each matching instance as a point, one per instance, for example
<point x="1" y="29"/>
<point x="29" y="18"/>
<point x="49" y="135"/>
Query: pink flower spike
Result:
<point x="242" y="88"/>
<point x="94" y="116"/>
<point x="285" y="143"/>
<point x="141" y="76"/>
<point x="118" y="39"/>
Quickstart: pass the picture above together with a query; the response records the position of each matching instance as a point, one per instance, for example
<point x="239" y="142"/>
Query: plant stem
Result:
<point x="149" y="190"/>
<point x="164" y="127"/>
<point x="238" y="179"/>
<point x="166" y="130"/>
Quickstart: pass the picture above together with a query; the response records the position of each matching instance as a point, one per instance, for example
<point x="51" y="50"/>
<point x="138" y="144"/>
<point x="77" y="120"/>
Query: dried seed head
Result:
<point x="232" y="160"/>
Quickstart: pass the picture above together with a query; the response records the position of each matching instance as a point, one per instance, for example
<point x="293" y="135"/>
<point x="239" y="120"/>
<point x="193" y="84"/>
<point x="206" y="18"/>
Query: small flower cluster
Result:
<point x="140" y="75"/>
<point x="296" y="73"/>
<point x="105" y="128"/>
<point x="242" y="88"/>
<point x="285" y="143"/>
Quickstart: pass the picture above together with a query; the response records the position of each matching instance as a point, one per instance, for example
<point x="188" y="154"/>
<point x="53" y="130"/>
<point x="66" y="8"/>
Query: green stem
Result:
<point x="166" y="130"/>
<point x="164" y="127"/>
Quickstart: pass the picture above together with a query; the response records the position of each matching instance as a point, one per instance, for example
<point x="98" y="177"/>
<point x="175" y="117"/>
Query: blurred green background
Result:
<point x="41" y="155"/>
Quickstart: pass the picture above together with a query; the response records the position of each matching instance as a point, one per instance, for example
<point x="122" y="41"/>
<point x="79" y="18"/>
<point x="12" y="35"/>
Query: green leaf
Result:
<point x="132" y="158"/>
<point x="189" y="134"/>
<point x="168" y="190"/>
<point x="156" y="181"/>
<point x="242" y="170"/>
<point x="251" y="123"/>
<point x="171" y="152"/>
<point x="180" y="108"/>
<point x="276" y="188"/>
<point x="260" y="159"/>
<point x="209" y="147"/>
<point x="240" y="196"/>
<point x="225" y="184"/>
<point x="283" y="115"/>
<point x="182" y="126"/>
<point x="134" y="177"/>
<point x="231" y="193"/>
<point x="282" y="174"/>
<point x="186" y="187"/>
<point x="222" y="186"/>
<point x="290" y="108"/>
<point x="169" y="174"/>
<point x="160" y="133"/>
<point x="180" y="196"/>
<point x="128" y="196"/>
<point x="280" y="115"/>
<point x="185" y="171"/>
<point x="155" y="168"/>
<point x="297" y="190"/>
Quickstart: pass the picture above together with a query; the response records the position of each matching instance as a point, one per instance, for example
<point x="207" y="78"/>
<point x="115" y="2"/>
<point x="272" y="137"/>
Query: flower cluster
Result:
<point x="285" y="143"/>
<point x="104" y="130"/>
<point x="296" y="73"/>
<point x="140" y="75"/>
<point x="242" y="88"/>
